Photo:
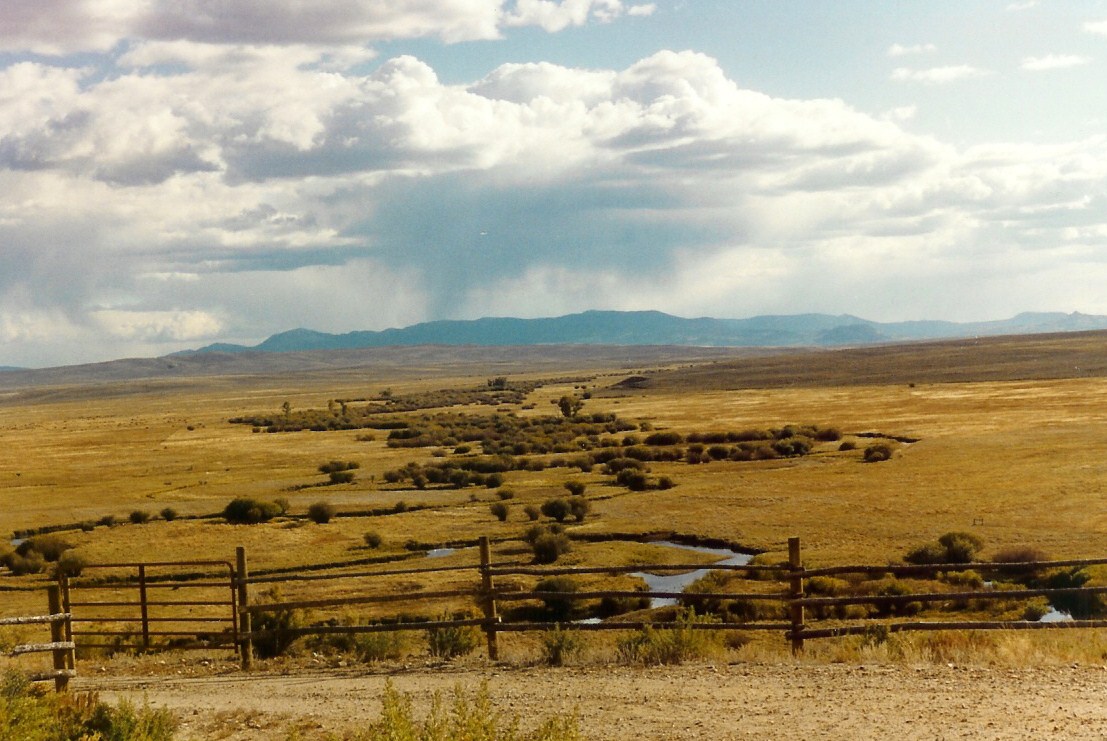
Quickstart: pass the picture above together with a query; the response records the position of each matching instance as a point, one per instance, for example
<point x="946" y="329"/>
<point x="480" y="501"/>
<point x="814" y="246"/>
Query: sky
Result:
<point x="180" y="172"/>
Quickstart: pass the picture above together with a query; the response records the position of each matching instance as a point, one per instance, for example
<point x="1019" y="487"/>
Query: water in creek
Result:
<point x="678" y="582"/>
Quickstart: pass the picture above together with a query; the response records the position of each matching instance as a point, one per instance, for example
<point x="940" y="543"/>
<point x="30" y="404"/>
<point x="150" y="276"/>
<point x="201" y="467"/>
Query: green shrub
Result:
<point x="953" y="547"/>
<point x="341" y="477"/>
<point x="169" y="514"/>
<point x="559" y="646"/>
<point x="550" y="546"/>
<point x="106" y="521"/>
<point x="275" y="627"/>
<point x="877" y="453"/>
<point x="450" y="641"/>
<point x="32" y="563"/>
<point x="139" y="517"/>
<point x="505" y="494"/>
<point x="248" y="511"/>
<point x="26" y="715"/>
<point x="321" y="512"/>
<point x="498" y="510"/>
<point x="380" y="646"/>
<point x="558" y="606"/>
<point x="579" y="507"/>
<point x="575" y="488"/>
<point x="531" y="512"/>
<point x="373" y="539"/>
<point x="71" y="564"/>
<point x="49" y="546"/>
<point x="557" y="509"/>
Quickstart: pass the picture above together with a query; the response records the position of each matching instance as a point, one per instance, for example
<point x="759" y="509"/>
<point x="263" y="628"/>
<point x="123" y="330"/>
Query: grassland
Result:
<point x="1010" y="445"/>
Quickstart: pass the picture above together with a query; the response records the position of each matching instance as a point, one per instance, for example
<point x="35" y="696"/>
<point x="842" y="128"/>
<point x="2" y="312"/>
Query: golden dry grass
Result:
<point x="1014" y="461"/>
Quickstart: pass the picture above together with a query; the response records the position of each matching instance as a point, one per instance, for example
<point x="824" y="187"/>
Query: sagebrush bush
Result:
<point x="531" y="512"/>
<point x="549" y="546"/>
<point x="671" y="645"/>
<point x="558" y="607"/>
<point x="275" y="627"/>
<point x="49" y="546"/>
<point x="557" y="509"/>
<point x="575" y="488"/>
<point x="499" y="511"/>
<point x="560" y="646"/>
<point x="139" y="517"/>
<point x="450" y="641"/>
<point x="877" y="453"/>
<point x="249" y="511"/>
<point x="321" y="512"/>
<point x="373" y="539"/>
<point x="169" y="514"/>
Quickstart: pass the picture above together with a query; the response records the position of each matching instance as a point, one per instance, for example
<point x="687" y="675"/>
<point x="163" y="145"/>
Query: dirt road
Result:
<point x="701" y="701"/>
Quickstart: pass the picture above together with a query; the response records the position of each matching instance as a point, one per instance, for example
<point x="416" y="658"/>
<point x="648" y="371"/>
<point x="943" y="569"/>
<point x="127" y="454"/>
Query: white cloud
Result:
<point x="1022" y="5"/>
<point x="901" y="50"/>
<point x="1053" y="61"/>
<point x="158" y="326"/>
<point x="1097" y="27"/>
<point x="172" y="201"/>
<point x="939" y="75"/>
<point x="59" y="27"/>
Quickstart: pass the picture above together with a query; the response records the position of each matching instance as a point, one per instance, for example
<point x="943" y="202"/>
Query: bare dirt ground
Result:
<point x="765" y="701"/>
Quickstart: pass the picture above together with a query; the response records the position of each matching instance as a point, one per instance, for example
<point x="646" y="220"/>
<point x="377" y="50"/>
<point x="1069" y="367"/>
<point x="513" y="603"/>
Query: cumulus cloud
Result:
<point x="58" y="27"/>
<point x="1053" y="61"/>
<point x="901" y="50"/>
<point x="211" y="188"/>
<point x="938" y="75"/>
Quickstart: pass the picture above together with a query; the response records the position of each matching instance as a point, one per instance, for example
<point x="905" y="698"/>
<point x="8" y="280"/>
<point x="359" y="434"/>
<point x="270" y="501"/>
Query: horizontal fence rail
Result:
<point x="227" y="613"/>
<point x="60" y="646"/>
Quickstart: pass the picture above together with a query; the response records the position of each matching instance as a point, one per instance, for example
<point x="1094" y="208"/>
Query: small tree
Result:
<point x="570" y="406"/>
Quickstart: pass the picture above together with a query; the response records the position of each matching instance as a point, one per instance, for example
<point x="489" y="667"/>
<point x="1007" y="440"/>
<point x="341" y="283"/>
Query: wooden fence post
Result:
<point x="245" y="624"/>
<point x="795" y="592"/>
<point x="57" y="635"/>
<point x="67" y="626"/>
<point x="144" y="607"/>
<point x="489" y="599"/>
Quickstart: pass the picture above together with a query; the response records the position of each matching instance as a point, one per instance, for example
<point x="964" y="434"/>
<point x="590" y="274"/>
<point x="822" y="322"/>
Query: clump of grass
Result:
<point x="29" y="716"/>
<point x="560" y="646"/>
<point x="451" y="641"/>
<point x="470" y="717"/>
<point x="671" y="645"/>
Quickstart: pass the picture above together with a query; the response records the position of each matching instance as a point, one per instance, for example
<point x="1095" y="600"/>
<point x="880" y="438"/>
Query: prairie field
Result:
<point x="1013" y="460"/>
<point x="1002" y="439"/>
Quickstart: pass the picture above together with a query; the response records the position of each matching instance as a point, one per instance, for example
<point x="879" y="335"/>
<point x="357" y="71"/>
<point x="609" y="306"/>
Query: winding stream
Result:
<point x="678" y="582"/>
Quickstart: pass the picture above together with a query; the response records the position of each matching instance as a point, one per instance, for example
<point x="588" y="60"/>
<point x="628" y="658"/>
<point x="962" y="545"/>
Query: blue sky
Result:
<point x="180" y="173"/>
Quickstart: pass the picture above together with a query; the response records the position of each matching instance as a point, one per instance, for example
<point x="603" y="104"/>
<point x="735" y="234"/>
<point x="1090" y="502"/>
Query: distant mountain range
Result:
<point x="657" y="328"/>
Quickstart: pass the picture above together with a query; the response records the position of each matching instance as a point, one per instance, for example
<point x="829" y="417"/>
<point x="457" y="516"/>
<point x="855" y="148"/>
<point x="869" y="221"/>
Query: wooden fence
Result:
<point x="135" y="605"/>
<point x="60" y="646"/>
<point x="240" y="610"/>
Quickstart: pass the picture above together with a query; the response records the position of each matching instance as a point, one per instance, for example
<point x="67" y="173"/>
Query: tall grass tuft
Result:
<point x="671" y="645"/>
<point x="470" y="717"/>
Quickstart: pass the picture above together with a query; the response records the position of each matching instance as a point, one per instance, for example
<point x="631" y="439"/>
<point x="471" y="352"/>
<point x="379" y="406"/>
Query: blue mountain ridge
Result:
<point x="658" y="328"/>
